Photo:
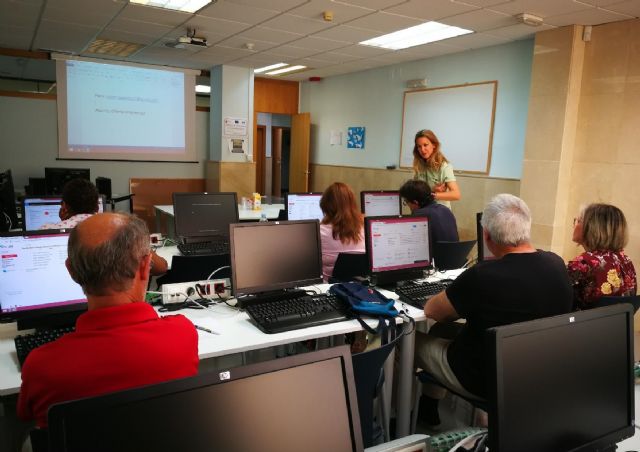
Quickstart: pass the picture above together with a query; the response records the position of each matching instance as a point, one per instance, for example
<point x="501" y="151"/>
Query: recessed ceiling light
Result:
<point x="204" y="89"/>
<point x="415" y="36"/>
<point x="189" y="6"/>
<point x="268" y="68"/>
<point x="286" y="69"/>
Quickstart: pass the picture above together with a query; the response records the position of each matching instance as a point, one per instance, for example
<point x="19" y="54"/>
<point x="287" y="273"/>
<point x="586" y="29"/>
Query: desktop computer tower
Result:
<point x="103" y="184"/>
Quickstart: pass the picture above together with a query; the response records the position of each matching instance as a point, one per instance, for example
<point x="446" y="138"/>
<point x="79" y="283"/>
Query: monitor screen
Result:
<point x="200" y="215"/>
<point x="396" y="245"/>
<point x="305" y="402"/>
<point x="56" y="178"/>
<point x="380" y="203"/>
<point x="34" y="280"/>
<point x="303" y="206"/>
<point x="275" y="255"/>
<point x="8" y="213"/>
<point x="484" y="253"/>
<point x="40" y="210"/>
<point x="563" y="382"/>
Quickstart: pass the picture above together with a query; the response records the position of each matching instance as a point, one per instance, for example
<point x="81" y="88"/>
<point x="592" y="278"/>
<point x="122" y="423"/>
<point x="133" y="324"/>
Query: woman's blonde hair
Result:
<point x="604" y="228"/>
<point x="434" y="162"/>
<point x="338" y="203"/>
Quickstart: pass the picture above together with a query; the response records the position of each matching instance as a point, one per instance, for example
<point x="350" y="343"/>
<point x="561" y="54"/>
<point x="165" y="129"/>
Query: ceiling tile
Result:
<point x="595" y="16"/>
<point x="385" y="22"/>
<point x="124" y="36"/>
<point x="240" y="42"/>
<point x="319" y="44"/>
<point x="79" y="17"/>
<point x="601" y="2"/>
<point x="15" y="38"/>
<point x="238" y="12"/>
<point x="341" y="11"/>
<point x="480" y="20"/>
<point x="347" y="33"/>
<point x="270" y="35"/>
<point x="476" y="41"/>
<point x="141" y="28"/>
<point x="374" y="4"/>
<point x="437" y="9"/>
<point x="257" y="60"/>
<point x="289" y="51"/>
<point x="297" y="24"/>
<point x="519" y="31"/>
<point x="153" y="15"/>
<point x="18" y="15"/>
<point x="278" y="5"/>
<point x="481" y="3"/>
<point x="64" y="37"/>
<point x="358" y="51"/>
<point x="631" y="7"/>
<point x="434" y="49"/>
<point x="543" y="8"/>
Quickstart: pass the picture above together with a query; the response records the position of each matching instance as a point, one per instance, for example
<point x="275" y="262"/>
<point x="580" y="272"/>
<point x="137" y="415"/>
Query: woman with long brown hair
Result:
<point x="342" y="228"/>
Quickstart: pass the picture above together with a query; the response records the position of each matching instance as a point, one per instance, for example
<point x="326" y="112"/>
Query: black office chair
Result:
<point x="451" y="255"/>
<point x="195" y="268"/>
<point x="633" y="300"/>
<point x="368" y="373"/>
<point x="349" y="265"/>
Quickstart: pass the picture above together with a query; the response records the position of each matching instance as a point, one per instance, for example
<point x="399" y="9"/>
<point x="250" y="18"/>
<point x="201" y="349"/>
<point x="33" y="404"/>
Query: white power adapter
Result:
<point x="211" y="290"/>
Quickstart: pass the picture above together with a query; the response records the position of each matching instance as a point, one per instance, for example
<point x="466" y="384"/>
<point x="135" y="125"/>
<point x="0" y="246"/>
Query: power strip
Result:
<point x="211" y="290"/>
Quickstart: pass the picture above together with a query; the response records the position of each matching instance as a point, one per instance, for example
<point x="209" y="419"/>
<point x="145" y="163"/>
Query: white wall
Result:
<point x="29" y="143"/>
<point x="373" y="99"/>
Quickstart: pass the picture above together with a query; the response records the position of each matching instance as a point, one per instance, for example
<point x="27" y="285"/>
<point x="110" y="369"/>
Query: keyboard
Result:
<point x="204" y="248"/>
<point x="294" y="313"/>
<point x="417" y="294"/>
<point x="27" y="342"/>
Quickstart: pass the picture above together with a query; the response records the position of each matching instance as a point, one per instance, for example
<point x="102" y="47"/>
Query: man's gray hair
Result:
<point x="112" y="265"/>
<point x="507" y="219"/>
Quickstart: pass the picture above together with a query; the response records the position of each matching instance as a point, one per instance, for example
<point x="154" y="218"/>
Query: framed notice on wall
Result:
<point x="461" y="116"/>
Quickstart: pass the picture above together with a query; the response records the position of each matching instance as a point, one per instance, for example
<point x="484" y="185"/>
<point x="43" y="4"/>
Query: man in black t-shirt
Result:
<point x="521" y="284"/>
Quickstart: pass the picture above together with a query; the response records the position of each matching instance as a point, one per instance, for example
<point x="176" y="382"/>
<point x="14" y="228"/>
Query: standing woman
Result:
<point x="603" y="269"/>
<point x="342" y="228"/>
<point x="432" y="167"/>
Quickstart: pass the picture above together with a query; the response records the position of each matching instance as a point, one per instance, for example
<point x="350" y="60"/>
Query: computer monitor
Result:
<point x="40" y="210"/>
<point x="398" y="248"/>
<point x="380" y="203"/>
<point x="303" y="206"/>
<point x="305" y="402"/>
<point x="8" y="214"/>
<point x="269" y="256"/>
<point x="56" y="178"/>
<point x="562" y="383"/>
<point x="35" y="286"/>
<point x="201" y="216"/>
<point x="484" y="253"/>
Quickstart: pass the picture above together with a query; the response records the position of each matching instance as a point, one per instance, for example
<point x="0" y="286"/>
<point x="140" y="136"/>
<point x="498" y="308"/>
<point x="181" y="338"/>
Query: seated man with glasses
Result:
<point x="417" y="195"/>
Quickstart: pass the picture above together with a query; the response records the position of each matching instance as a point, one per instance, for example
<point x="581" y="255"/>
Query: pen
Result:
<point x="206" y="330"/>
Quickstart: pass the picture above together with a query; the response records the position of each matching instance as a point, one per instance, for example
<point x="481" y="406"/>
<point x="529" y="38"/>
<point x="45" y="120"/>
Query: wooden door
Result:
<point x="276" y="157"/>
<point x="259" y="157"/>
<point x="300" y="146"/>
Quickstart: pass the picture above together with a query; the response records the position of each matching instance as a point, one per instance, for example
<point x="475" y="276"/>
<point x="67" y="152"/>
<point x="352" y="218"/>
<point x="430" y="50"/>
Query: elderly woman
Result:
<point x="603" y="269"/>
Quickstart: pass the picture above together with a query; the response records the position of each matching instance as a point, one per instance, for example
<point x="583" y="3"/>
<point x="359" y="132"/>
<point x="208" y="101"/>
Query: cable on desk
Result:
<point x="216" y="271"/>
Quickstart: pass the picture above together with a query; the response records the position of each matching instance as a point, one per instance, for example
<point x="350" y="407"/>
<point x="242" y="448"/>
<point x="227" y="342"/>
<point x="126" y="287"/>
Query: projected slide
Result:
<point x="116" y="111"/>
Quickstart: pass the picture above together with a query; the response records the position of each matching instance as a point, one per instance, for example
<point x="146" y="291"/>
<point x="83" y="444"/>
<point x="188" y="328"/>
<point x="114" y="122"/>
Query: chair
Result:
<point x="451" y="255"/>
<point x="368" y="373"/>
<point x="195" y="268"/>
<point x="633" y="300"/>
<point x="349" y="265"/>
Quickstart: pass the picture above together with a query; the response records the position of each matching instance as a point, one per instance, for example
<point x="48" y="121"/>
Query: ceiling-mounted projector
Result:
<point x="182" y="42"/>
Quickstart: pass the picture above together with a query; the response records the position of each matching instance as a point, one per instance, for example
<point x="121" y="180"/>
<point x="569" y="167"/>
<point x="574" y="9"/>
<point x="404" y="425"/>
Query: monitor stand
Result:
<point x="391" y="279"/>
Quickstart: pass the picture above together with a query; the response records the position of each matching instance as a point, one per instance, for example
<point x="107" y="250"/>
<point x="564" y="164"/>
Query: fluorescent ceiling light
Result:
<point x="415" y="36"/>
<point x="189" y="6"/>
<point x="268" y="68"/>
<point x="205" y="89"/>
<point x="286" y="69"/>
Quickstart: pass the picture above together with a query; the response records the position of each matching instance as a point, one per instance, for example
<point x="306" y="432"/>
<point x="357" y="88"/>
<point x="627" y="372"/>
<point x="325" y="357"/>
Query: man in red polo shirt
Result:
<point x="120" y="342"/>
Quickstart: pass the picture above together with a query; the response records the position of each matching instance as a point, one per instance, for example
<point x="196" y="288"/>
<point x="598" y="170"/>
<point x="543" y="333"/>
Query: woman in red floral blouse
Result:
<point x="603" y="269"/>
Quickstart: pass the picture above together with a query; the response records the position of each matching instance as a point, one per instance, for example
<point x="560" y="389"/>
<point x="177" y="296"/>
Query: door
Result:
<point x="299" y="159"/>
<point x="259" y="157"/>
<point x="276" y="158"/>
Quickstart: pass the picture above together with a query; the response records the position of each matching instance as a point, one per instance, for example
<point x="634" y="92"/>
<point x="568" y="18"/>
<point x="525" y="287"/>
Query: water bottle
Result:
<point x="263" y="217"/>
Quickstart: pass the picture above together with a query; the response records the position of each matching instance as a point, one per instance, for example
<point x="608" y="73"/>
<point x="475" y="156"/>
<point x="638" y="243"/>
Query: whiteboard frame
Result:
<point x="460" y="169"/>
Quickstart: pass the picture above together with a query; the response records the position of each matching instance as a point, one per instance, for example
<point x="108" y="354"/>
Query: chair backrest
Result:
<point x="195" y="268"/>
<point x="451" y="255"/>
<point x="349" y="265"/>
<point x="634" y="300"/>
<point x="368" y="375"/>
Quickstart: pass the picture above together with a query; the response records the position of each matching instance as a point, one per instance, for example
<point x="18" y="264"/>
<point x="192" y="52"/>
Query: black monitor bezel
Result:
<point x="494" y="337"/>
<point x="391" y="276"/>
<point x="27" y="198"/>
<point x="363" y="193"/>
<point x="55" y="316"/>
<point x="275" y="286"/>
<point x="177" y="195"/>
<point x="8" y="199"/>
<point x="58" y="413"/>
<point x="286" y="200"/>
<point x="50" y="172"/>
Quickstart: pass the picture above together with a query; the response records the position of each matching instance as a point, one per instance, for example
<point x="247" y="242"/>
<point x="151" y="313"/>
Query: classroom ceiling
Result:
<point x="255" y="33"/>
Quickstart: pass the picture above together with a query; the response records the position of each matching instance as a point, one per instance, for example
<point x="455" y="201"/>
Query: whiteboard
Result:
<point x="462" y="118"/>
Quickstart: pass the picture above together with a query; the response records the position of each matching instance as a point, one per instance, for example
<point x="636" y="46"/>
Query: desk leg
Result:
<point x="405" y="383"/>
